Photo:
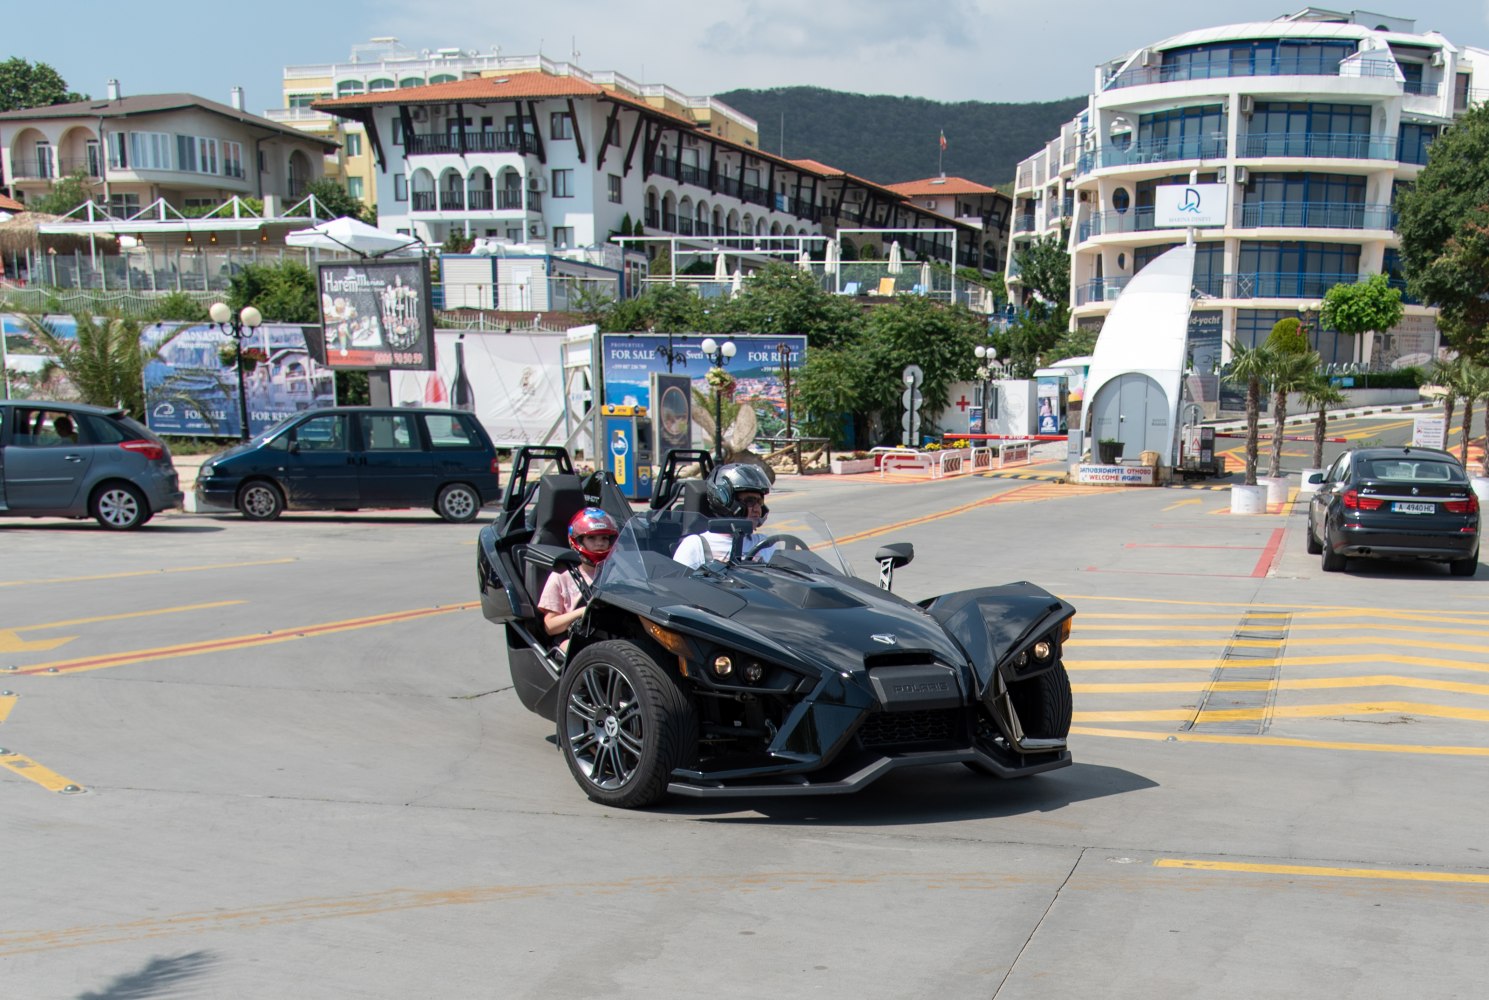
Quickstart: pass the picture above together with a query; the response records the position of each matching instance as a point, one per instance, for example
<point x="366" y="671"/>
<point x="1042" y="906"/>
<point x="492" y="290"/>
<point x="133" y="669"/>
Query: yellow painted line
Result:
<point x="1022" y="494"/>
<point x="12" y="643"/>
<point x="1296" y="609"/>
<point x="1169" y="643"/>
<point x="1210" y="664"/>
<point x="1157" y="715"/>
<point x="60" y="667"/>
<point x="1302" y="684"/>
<point x="1151" y="687"/>
<point x="145" y="572"/>
<point x="1386" y="640"/>
<point x="1288" y="661"/>
<point x="69" y="622"/>
<point x="32" y="771"/>
<point x="1228" y="616"/>
<point x="1387" y="874"/>
<point x="1290" y="712"/>
<point x="1293" y="629"/>
<point x="7" y="702"/>
<point x="1184" y="503"/>
<point x="1278" y="741"/>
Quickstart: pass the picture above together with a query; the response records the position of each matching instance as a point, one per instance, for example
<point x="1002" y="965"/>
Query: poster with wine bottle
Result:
<point x="376" y="315"/>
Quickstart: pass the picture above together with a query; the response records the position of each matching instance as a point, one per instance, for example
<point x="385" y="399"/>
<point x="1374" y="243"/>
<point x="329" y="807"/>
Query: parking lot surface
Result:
<point x="268" y="760"/>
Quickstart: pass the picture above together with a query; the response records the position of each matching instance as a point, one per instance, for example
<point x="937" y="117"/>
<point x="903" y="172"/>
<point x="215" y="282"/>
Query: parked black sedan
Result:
<point x="1395" y="503"/>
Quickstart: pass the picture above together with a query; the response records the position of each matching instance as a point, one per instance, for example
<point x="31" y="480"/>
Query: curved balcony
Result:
<point x="1320" y="145"/>
<point x="1100" y="290"/>
<point x="1315" y="215"/>
<point x="1272" y="284"/>
<point x="1209" y="147"/>
<point x="1281" y="64"/>
<point x="1134" y="220"/>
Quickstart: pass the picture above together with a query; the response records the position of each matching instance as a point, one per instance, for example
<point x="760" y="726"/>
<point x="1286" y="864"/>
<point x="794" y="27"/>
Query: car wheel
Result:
<point x="120" y="507"/>
<point x="457" y="503"/>
<point x="1044" y="704"/>
<point x="1333" y="562"/>
<point x="260" y="500"/>
<point x="624" y="724"/>
<point x="1314" y="545"/>
<point x="1464" y="567"/>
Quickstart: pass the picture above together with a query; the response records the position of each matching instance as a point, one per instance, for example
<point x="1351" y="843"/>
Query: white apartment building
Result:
<point x="1314" y="122"/>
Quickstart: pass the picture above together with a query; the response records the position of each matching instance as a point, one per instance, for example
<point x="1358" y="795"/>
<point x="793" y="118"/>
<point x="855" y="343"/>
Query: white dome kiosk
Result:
<point x="1134" y="386"/>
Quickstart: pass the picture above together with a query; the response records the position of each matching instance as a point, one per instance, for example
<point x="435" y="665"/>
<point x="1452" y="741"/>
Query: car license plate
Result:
<point x="1413" y="508"/>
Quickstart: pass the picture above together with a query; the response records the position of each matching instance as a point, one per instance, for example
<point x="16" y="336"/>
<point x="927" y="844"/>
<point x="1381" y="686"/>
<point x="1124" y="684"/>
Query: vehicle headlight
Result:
<point x="206" y="472"/>
<point x="723" y="666"/>
<point x="1043" y="650"/>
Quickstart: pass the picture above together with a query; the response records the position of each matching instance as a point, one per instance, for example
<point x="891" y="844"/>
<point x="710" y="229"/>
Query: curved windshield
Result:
<point x="644" y="550"/>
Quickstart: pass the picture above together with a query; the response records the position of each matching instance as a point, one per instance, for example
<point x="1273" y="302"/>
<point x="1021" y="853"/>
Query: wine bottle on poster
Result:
<point x="462" y="396"/>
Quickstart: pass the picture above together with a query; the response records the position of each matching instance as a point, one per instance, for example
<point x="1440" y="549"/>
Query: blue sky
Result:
<point x="952" y="50"/>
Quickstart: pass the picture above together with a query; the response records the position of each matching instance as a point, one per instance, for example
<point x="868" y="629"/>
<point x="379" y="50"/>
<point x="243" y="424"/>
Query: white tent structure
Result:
<point x="352" y="235"/>
<point x="1135" y="383"/>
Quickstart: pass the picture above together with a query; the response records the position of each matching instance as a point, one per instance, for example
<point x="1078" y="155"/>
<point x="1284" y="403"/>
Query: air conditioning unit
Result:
<point x="1241" y="175"/>
<point x="420" y="114"/>
<point x="1145" y="57"/>
<point x="1437" y="57"/>
<point x="537" y="182"/>
<point x="1248" y="105"/>
<point x="537" y="229"/>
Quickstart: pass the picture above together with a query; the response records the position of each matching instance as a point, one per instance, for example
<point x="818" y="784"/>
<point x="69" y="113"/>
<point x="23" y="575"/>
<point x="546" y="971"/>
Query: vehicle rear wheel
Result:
<point x="120" y="507"/>
<point x="1333" y="562"/>
<point x="457" y="503"/>
<point x="624" y="724"/>
<point x="260" y="500"/>
<point x="1464" y="567"/>
<point x="1314" y="545"/>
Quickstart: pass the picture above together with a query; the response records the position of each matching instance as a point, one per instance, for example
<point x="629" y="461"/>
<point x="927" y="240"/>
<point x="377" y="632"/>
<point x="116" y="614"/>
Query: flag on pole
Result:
<point x="943" y="140"/>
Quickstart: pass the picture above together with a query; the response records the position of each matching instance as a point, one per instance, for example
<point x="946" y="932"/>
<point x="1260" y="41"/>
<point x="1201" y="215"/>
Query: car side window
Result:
<point x="389" y="432"/>
<point x="1340" y="472"/>
<point x="446" y="430"/>
<point x="100" y="430"/>
<point x="323" y="433"/>
<point x="38" y="428"/>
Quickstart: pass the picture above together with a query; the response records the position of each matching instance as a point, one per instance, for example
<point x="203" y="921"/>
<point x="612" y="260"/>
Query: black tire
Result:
<point x="1333" y="562"/>
<point x="1464" y="567"/>
<point x="260" y="500"/>
<point x="624" y="724"/>
<point x="119" y="506"/>
<point x="458" y="503"/>
<point x="1315" y="547"/>
<point x="1044" y="704"/>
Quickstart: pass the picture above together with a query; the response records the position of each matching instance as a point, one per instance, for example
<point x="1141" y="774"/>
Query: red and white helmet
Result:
<point x="591" y="521"/>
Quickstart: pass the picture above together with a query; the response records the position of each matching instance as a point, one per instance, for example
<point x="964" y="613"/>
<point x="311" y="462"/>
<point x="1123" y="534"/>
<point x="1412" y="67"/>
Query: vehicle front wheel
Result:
<point x="624" y="724"/>
<point x="457" y="503"/>
<point x="120" y="507"/>
<point x="1464" y="567"/>
<point x="260" y="501"/>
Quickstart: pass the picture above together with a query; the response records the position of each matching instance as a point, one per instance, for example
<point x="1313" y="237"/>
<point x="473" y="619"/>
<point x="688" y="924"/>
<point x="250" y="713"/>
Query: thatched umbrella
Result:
<point x="18" y="236"/>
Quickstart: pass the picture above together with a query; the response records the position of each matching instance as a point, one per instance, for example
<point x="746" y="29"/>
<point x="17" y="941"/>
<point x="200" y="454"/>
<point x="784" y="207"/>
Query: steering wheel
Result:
<point x="788" y="543"/>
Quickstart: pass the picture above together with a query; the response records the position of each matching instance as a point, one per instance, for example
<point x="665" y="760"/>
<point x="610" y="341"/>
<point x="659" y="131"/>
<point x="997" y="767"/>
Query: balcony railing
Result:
<point x="1279" y="65"/>
<point x="33" y="169"/>
<point x="1333" y="145"/>
<point x="509" y="200"/>
<point x="1210" y="147"/>
<point x="669" y="221"/>
<point x="1273" y="284"/>
<point x="1316" y="215"/>
<point x="1100" y="290"/>
<point x="479" y="200"/>
<point x="452" y="200"/>
<point x="1134" y="220"/>
<point x="653" y="218"/>
<point x="423" y="201"/>
<point x="1023" y="223"/>
<point x="90" y="166"/>
<point x="475" y="142"/>
<point x="1420" y="88"/>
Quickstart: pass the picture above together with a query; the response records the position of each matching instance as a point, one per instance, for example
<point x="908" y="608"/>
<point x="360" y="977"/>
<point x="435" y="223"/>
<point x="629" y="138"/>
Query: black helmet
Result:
<point x="726" y="482"/>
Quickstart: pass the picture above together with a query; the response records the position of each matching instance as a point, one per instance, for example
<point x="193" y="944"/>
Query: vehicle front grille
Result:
<point x="892" y="729"/>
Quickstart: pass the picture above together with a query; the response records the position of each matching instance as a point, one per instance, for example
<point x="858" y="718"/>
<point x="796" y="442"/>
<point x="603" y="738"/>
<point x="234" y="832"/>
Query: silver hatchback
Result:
<point x="75" y="460"/>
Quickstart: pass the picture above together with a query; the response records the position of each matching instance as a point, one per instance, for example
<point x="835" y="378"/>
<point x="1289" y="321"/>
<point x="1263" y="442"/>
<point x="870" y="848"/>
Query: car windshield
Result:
<point x="800" y="542"/>
<point x="1413" y="470"/>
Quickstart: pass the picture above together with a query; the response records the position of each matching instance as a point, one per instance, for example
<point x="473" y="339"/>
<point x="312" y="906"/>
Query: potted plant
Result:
<point x="851" y="463"/>
<point x="1109" y="450"/>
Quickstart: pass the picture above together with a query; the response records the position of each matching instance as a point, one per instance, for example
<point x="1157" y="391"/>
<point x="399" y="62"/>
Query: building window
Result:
<point x="614" y="182"/>
<point x="563" y="236"/>
<point x="400" y="187"/>
<point x="121" y="205"/>
<point x="442" y="78"/>
<point x="382" y="83"/>
<point x="354" y="144"/>
<point x="411" y="81"/>
<point x="232" y="159"/>
<point x="95" y="161"/>
<point x="206" y="154"/>
<point x="514" y="234"/>
<point x="354" y="186"/>
<point x="347" y="88"/>
<point x="397" y="132"/>
<point x="563" y="184"/>
<point x="612" y="131"/>
<point x="561" y="125"/>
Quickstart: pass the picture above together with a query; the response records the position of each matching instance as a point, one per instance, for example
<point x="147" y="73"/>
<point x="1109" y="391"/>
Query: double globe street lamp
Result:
<point x="718" y="356"/>
<point x="240" y="329"/>
<point x="987" y="356"/>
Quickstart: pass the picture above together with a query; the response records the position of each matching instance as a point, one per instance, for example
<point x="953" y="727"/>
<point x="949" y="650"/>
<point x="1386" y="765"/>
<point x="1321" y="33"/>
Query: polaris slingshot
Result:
<point x="747" y="678"/>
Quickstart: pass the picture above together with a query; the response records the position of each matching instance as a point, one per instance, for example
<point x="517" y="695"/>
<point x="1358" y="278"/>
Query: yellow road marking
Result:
<point x="7" y="702"/>
<point x="1018" y="495"/>
<point x="1295" y="609"/>
<point x="32" y="771"/>
<point x="1464" y="878"/>
<point x="1300" y="684"/>
<point x="69" y="622"/>
<point x="1289" y="661"/>
<point x="144" y="572"/>
<point x="1183" y="503"/>
<point x="1291" y="712"/>
<point x="1238" y="643"/>
<point x="1279" y="741"/>
<point x="1292" y="629"/>
<point x="59" y="667"/>
<point x="12" y="643"/>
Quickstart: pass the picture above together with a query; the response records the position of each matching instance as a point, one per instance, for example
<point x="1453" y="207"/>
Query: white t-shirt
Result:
<point x="561" y="593"/>
<point x="691" y="551"/>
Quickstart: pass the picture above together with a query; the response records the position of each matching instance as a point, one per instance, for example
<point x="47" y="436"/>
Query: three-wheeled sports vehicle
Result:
<point x="746" y="677"/>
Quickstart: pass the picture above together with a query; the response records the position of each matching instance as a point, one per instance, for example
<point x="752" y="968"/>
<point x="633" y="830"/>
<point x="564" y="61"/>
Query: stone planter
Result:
<point x="851" y="466"/>
<point x="1248" y="499"/>
<point x="1276" y="488"/>
<point x="1109" y="452"/>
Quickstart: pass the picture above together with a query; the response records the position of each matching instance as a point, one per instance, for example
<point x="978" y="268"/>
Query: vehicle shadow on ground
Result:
<point x="1405" y="569"/>
<point x="158" y="977"/>
<point x="929" y="795"/>
<point x="165" y="527"/>
<point x="348" y="518"/>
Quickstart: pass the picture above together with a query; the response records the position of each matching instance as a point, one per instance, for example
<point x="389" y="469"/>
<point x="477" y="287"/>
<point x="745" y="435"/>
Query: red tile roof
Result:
<point x="10" y="205"/>
<point x="940" y="185"/>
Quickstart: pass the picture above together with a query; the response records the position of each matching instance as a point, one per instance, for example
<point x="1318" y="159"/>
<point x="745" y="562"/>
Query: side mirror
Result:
<point x="890" y="558"/>
<point x="294" y="448"/>
<point x="1315" y="479"/>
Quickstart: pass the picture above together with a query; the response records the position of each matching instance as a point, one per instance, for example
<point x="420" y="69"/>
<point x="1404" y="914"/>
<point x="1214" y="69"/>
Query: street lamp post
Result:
<point x="987" y="356"/>
<point x="240" y="329"/>
<point x="672" y="354"/>
<point x="718" y="356"/>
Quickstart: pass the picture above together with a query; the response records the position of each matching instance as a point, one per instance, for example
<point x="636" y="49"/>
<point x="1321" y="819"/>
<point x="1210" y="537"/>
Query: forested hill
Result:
<point x="890" y="139"/>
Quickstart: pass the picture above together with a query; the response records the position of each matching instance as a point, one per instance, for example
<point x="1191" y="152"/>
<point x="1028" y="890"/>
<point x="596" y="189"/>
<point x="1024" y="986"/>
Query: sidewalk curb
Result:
<point x="1369" y="411"/>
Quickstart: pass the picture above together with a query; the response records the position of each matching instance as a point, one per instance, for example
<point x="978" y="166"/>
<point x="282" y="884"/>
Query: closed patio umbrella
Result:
<point x="720" y="267"/>
<point x="896" y="260"/>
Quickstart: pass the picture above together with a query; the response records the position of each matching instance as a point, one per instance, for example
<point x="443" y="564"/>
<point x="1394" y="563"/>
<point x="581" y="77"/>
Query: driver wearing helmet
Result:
<point x="591" y="533"/>
<point x="734" y="490"/>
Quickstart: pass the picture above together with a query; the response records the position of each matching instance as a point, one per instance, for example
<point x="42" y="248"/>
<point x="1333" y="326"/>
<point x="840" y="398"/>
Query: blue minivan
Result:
<point x="353" y="457"/>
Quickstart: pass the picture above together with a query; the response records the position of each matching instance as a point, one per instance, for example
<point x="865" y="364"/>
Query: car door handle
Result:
<point x="72" y="458"/>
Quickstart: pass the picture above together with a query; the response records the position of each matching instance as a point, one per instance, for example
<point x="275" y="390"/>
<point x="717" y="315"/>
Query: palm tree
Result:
<point x="1289" y="372"/>
<point x="1320" y="392"/>
<point x="1250" y="366"/>
<point x="1473" y="382"/>
<point x="1445" y="374"/>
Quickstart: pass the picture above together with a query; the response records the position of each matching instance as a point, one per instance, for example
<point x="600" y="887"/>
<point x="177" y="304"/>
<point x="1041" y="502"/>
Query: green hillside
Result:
<point x="889" y="139"/>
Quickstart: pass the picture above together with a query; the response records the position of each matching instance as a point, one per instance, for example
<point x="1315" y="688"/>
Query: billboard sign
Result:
<point x="376" y="315"/>
<point x="1179" y="206"/>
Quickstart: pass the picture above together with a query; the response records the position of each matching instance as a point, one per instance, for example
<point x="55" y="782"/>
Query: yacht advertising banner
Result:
<point x="377" y="315"/>
<point x="1179" y="206"/>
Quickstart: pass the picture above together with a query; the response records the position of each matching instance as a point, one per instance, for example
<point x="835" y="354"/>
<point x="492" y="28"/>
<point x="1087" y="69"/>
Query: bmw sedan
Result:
<point x="1395" y="503"/>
